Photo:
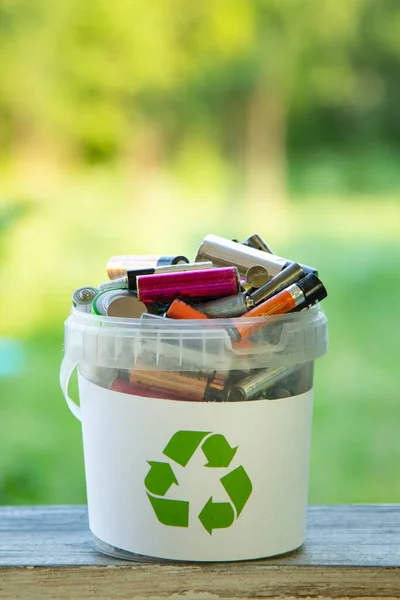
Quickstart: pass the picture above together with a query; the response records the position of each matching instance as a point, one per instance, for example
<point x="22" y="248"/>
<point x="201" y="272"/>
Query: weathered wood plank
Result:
<point x="197" y="583"/>
<point x="357" y="535"/>
<point x="351" y="551"/>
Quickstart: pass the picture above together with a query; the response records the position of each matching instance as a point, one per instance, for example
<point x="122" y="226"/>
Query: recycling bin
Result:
<point x="196" y="446"/>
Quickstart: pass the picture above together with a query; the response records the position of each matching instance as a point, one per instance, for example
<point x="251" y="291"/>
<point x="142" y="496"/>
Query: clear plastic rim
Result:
<point x="305" y="316"/>
<point x="115" y="552"/>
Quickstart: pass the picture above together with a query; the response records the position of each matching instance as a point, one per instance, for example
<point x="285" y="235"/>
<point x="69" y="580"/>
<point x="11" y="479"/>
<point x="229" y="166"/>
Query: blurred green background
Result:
<point x="138" y="127"/>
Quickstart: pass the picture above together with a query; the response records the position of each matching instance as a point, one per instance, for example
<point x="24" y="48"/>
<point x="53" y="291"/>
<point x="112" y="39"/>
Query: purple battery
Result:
<point x="203" y="284"/>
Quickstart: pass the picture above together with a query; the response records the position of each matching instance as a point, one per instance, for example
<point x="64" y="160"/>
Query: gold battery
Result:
<point x="117" y="266"/>
<point x="172" y="385"/>
<point x="257" y="276"/>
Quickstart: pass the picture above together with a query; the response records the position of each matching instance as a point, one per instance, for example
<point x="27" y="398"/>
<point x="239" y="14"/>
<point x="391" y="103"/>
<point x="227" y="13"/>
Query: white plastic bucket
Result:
<point x="192" y="480"/>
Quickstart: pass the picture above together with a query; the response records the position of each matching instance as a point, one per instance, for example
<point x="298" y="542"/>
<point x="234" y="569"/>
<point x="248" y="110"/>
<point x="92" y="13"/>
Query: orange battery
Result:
<point x="242" y="344"/>
<point x="279" y="304"/>
<point x="180" y="310"/>
<point x="305" y="292"/>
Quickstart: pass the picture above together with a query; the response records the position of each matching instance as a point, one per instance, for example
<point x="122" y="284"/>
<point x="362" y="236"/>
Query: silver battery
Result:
<point x="232" y="306"/>
<point x="252" y="386"/>
<point x="223" y="253"/>
<point x="82" y="298"/>
<point x="256" y="241"/>
<point x="121" y="283"/>
<point x="197" y="266"/>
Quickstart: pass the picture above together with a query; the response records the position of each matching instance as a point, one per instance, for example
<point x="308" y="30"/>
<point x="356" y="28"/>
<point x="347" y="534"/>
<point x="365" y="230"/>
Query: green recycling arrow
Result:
<point x="218" y="451"/>
<point x="160" y="478"/>
<point x="180" y="448"/>
<point x="216" y="515"/>
<point x="238" y="487"/>
<point x="183" y="445"/>
<point x="170" y="512"/>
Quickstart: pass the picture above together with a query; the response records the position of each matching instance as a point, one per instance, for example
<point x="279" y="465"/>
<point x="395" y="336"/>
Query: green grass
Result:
<point x="355" y="449"/>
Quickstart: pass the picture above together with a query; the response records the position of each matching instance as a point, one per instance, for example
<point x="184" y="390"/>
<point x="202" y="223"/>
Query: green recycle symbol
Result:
<point x="218" y="452"/>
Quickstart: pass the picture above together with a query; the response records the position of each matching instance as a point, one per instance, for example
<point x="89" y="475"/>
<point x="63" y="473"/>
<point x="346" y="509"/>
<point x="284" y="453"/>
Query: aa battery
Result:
<point x="175" y="385"/>
<point x="223" y="252"/>
<point x="232" y="306"/>
<point x="305" y="292"/>
<point x="181" y="310"/>
<point x="118" y="303"/>
<point x="129" y="281"/>
<point x="82" y="298"/>
<point x="290" y="274"/>
<point x="295" y="383"/>
<point x="257" y="242"/>
<point x="171" y="385"/>
<point x="253" y="385"/>
<point x="203" y="284"/>
<point x="118" y="265"/>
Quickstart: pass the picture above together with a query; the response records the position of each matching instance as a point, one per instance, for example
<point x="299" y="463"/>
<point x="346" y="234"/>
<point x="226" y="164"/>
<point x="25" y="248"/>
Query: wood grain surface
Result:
<point x="351" y="551"/>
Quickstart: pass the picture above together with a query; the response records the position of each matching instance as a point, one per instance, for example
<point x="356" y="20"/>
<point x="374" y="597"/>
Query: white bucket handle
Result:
<point x="67" y="368"/>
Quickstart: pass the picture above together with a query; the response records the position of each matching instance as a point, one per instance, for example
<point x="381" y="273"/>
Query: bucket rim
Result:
<point x="305" y="317"/>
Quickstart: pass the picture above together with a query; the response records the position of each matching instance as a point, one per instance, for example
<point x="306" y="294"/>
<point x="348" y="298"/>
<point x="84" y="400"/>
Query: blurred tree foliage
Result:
<point x="157" y="81"/>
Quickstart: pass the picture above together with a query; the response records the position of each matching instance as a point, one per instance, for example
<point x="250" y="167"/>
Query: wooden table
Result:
<point x="351" y="551"/>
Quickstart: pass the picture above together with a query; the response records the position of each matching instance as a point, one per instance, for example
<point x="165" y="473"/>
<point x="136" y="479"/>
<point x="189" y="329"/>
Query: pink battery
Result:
<point x="203" y="284"/>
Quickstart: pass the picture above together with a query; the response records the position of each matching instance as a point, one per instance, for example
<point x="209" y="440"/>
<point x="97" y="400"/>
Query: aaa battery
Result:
<point x="290" y="274"/>
<point x="223" y="252"/>
<point x="204" y="284"/>
<point x="118" y="265"/>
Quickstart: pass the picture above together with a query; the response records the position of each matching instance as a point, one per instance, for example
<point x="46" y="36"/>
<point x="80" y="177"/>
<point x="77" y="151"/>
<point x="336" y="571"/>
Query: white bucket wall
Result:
<point x="122" y="432"/>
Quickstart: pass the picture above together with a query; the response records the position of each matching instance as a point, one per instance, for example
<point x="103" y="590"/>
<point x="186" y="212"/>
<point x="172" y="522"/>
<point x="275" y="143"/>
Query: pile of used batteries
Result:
<point x="228" y="280"/>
